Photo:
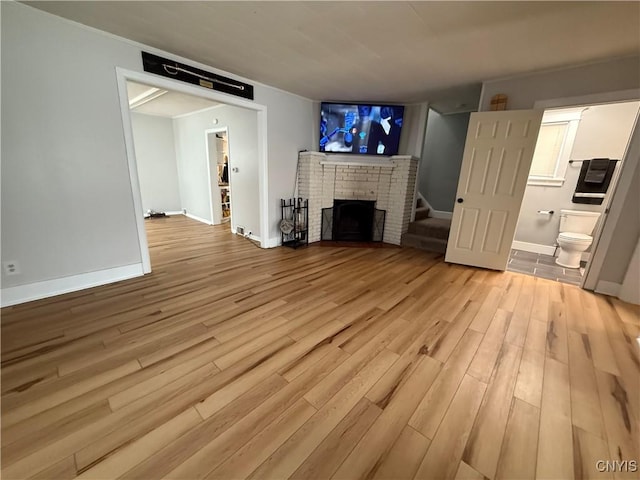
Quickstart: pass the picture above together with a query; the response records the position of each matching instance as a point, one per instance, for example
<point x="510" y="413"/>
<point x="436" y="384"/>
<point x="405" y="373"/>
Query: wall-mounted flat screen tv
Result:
<point x="362" y="129"/>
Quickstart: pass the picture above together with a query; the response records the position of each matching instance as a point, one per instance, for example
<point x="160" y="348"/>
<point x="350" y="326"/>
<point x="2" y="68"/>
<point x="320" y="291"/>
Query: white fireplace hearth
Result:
<point x="389" y="182"/>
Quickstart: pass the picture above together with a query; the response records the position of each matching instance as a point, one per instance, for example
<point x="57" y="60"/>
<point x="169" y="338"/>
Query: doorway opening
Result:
<point x="255" y="158"/>
<point x="218" y="156"/>
<point x="181" y="166"/>
<point x="576" y="164"/>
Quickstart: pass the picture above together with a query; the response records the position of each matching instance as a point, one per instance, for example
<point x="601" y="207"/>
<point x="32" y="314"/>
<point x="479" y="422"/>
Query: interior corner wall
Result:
<point x="523" y="91"/>
<point x="243" y="155"/>
<point x="67" y="201"/>
<point x="413" y="129"/>
<point x="289" y="127"/>
<point x="156" y="162"/>
<point x="442" y="158"/>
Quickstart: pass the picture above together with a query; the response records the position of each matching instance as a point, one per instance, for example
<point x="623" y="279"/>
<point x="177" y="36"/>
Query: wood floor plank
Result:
<point x="331" y="384"/>
<point x="404" y="457"/>
<point x="128" y="457"/>
<point x="555" y="445"/>
<point x="588" y="450"/>
<point x="557" y="347"/>
<point x="328" y="456"/>
<point x="520" y="445"/>
<point x="585" y="401"/>
<point x="482" y="451"/>
<point x="446" y="449"/>
<point x="465" y="472"/>
<point x="226" y="431"/>
<point x="258" y="449"/>
<point x="233" y="361"/>
<point x="530" y="375"/>
<point x="373" y="448"/>
<point x="620" y="423"/>
<point x="485" y="359"/>
<point x="433" y="407"/>
<point x="294" y="451"/>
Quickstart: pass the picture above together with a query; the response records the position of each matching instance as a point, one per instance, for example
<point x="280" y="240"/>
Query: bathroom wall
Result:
<point x="604" y="131"/>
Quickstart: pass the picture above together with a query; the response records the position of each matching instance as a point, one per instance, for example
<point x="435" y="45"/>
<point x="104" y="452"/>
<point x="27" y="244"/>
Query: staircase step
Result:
<point x="423" y="243"/>
<point x="422" y="213"/>
<point x="437" y="228"/>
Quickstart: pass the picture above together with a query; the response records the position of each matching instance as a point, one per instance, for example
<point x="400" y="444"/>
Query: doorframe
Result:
<point x="122" y="75"/>
<point x="604" y="233"/>
<point x="206" y="138"/>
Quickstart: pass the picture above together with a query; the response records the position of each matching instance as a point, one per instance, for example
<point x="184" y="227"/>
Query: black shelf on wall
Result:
<point x="295" y="220"/>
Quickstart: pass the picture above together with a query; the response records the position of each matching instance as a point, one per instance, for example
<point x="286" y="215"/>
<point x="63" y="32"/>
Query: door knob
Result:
<point x="460" y="200"/>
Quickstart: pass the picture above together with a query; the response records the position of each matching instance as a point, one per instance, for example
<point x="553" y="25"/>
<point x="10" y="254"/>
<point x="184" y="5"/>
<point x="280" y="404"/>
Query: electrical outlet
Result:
<point x="11" y="267"/>
<point x="184" y="211"/>
<point x="240" y="230"/>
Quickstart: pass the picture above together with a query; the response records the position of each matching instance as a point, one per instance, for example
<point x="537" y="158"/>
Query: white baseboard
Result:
<point x="51" y="288"/>
<point x="608" y="288"/>
<point x="273" y="242"/>
<point x="251" y="236"/>
<point x="198" y="219"/>
<point x="177" y="212"/>
<point x="533" y="247"/>
<point x="440" y="214"/>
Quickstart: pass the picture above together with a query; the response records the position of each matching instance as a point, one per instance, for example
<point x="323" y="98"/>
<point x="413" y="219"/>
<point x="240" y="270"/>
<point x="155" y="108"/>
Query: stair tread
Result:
<point x="435" y="222"/>
<point x="431" y="228"/>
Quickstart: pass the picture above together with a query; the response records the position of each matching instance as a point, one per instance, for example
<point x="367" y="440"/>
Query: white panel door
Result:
<point x="495" y="166"/>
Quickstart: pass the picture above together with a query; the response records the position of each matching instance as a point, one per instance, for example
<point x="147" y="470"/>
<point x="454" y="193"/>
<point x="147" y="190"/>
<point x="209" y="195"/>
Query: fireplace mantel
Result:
<point x="357" y="160"/>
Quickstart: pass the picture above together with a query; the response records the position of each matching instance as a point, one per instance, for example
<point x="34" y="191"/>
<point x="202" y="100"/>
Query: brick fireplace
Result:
<point x="390" y="183"/>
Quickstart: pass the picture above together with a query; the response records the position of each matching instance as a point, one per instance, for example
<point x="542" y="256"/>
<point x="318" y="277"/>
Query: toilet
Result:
<point x="575" y="237"/>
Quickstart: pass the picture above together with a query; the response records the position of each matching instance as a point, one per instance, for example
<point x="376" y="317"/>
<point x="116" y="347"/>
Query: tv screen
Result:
<point x="360" y="128"/>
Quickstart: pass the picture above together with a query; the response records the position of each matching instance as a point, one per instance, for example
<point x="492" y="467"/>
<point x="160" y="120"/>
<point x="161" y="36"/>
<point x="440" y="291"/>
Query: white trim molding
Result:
<point x="198" y="219"/>
<point x="51" y="288"/>
<point x="440" y="214"/>
<point x="533" y="247"/>
<point x="608" y="288"/>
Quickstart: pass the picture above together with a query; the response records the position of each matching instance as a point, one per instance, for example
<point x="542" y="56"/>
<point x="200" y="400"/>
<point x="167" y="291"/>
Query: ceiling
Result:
<point x="371" y="51"/>
<point x="164" y="103"/>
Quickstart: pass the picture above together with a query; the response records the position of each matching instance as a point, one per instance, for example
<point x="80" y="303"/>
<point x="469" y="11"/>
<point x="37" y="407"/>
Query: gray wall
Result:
<point x="625" y="233"/>
<point x="603" y="131"/>
<point x="243" y="155"/>
<point x="441" y="158"/>
<point x="67" y="203"/>
<point x="156" y="162"/>
<point x="524" y="91"/>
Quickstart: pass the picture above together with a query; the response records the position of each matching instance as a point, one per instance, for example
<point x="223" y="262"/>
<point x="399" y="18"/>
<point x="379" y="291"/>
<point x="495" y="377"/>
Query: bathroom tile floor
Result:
<point x="543" y="266"/>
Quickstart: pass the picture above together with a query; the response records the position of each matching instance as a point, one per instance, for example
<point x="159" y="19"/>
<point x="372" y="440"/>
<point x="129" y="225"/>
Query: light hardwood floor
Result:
<point x="229" y="361"/>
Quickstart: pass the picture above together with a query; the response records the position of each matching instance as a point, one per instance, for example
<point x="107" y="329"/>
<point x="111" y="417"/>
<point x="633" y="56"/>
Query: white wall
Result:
<point x="603" y="132"/>
<point x="156" y="160"/>
<point x="67" y="204"/>
<point x="243" y="154"/>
